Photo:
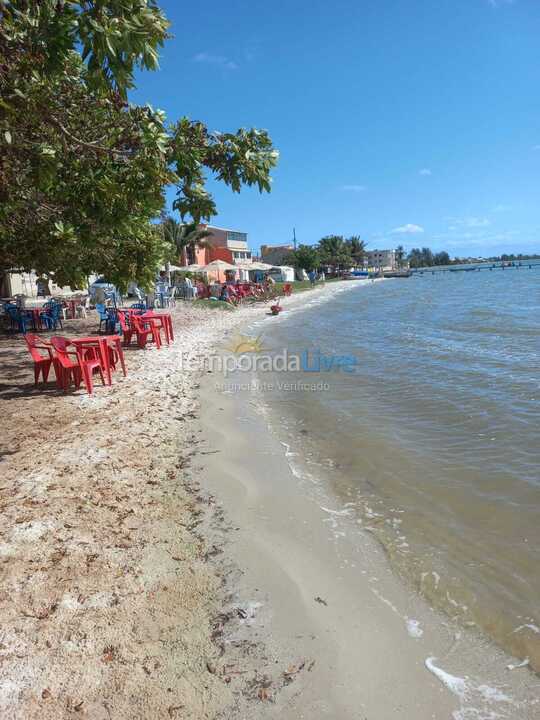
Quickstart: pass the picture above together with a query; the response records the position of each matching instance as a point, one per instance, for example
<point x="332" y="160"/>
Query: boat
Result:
<point x="356" y="275"/>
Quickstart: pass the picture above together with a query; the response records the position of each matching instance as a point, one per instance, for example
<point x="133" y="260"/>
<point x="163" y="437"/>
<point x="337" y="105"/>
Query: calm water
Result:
<point x="435" y="437"/>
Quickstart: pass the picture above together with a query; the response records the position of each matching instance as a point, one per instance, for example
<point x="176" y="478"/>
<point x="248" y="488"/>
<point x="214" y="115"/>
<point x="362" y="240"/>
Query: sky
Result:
<point x="406" y="122"/>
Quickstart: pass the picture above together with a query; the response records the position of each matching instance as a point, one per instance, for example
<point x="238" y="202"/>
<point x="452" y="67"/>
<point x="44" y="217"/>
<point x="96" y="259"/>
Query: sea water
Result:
<point x="433" y="435"/>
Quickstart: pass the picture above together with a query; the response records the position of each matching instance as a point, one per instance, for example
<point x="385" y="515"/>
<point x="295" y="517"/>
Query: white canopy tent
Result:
<point x="260" y="266"/>
<point x="188" y="268"/>
<point x="245" y="268"/>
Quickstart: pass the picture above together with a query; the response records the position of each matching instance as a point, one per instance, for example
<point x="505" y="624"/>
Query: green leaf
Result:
<point x="7" y="136"/>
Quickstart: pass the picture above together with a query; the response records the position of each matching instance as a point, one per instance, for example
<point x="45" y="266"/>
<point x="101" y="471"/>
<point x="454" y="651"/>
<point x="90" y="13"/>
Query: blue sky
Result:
<point x="404" y="121"/>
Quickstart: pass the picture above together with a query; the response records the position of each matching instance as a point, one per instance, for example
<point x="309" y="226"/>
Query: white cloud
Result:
<point x="426" y="172"/>
<point x="409" y="229"/>
<point x="354" y="188"/>
<point x="469" y="222"/>
<point x="219" y="60"/>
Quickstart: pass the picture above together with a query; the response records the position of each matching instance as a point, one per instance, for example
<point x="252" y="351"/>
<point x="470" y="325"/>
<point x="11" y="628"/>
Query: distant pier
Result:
<point x="520" y="265"/>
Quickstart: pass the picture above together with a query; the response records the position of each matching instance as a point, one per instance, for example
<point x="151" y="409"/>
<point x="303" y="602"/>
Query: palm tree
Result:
<point x="185" y="238"/>
<point x="357" y="248"/>
<point x="334" y="251"/>
<point x="400" y="255"/>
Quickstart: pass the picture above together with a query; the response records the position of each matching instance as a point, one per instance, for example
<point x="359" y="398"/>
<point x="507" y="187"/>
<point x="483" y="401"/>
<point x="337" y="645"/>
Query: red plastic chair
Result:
<point x="287" y="289"/>
<point x="127" y="329"/>
<point x="42" y="363"/>
<point x="81" y="369"/>
<point x="145" y="329"/>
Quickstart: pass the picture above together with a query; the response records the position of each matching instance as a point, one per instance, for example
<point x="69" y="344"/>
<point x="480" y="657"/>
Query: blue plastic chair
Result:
<point x="52" y="315"/>
<point x="113" y="323"/>
<point x="18" y="320"/>
<point x="103" y="316"/>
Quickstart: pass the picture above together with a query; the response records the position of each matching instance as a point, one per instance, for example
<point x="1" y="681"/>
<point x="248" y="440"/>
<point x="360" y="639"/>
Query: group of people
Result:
<point x="231" y="292"/>
<point x="235" y="292"/>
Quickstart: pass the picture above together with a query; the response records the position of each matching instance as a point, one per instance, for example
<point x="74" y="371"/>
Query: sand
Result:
<point x="113" y="595"/>
<point x="325" y="595"/>
<point x="160" y="558"/>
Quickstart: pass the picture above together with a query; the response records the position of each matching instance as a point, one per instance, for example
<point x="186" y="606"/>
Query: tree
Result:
<point x="400" y="255"/>
<point x="441" y="258"/>
<point x="415" y="258"/>
<point x="334" y="251"/>
<point x="305" y="257"/>
<point x="82" y="173"/>
<point x="427" y="257"/>
<point x="183" y="238"/>
<point x="357" y="249"/>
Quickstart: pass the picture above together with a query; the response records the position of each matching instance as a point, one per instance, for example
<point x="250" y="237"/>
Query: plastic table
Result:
<point x="103" y="342"/>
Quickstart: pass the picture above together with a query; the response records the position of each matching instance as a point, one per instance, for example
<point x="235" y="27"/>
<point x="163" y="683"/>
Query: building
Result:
<point x="381" y="259"/>
<point x="229" y="245"/>
<point x="276" y="254"/>
<point x="26" y="283"/>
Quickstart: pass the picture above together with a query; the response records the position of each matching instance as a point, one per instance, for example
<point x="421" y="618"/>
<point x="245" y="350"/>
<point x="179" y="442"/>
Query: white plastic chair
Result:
<point x="82" y="308"/>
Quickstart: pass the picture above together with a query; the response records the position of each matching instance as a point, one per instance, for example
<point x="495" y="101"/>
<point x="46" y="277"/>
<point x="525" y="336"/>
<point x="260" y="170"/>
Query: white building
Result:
<point x="381" y="259"/>
<point x="25" y="283"/>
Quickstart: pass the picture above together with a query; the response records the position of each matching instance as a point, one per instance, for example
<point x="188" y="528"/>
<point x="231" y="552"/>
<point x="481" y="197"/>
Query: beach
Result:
<point x="165" y="554"/>
<point x="321" y="582"/>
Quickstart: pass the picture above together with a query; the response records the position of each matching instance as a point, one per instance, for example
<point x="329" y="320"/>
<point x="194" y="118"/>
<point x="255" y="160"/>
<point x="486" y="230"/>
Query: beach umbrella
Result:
<point x="188" y="268"/>
<point x="218" y="266"/>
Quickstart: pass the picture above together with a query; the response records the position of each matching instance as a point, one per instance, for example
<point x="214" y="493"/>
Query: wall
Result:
<point x="275" y="254"/>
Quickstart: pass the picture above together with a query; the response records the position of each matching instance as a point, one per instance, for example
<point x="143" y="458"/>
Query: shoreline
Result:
<point x="323" y="580"/>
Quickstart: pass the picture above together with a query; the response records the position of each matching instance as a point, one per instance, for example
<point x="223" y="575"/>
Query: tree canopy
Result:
<point x="305" y="257"/>
<point x="83" y="172"/>
<point x="426" y="258"/>
<point x="183" y="238"/>
<point x="335" y="251"/>
<point x="357" y="249"/>
<point x="332" y="250"/>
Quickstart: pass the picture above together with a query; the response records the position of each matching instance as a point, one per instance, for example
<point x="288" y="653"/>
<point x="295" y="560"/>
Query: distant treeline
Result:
<point x="424" y="257"/>
<point x="342" y="253"/>
<point x="512" y="258"/>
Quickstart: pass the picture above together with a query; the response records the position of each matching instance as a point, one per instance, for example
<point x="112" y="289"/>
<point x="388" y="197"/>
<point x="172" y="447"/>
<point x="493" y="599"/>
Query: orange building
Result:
<point x="228" y="245"/>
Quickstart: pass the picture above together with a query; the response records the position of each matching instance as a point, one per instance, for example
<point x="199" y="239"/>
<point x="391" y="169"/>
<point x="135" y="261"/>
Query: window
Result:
<point x="236" y="237"/>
